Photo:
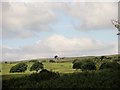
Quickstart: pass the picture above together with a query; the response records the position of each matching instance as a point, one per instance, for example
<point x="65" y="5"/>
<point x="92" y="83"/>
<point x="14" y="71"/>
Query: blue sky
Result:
<point x="57" y="23"/>
<point x="65" y="26"/>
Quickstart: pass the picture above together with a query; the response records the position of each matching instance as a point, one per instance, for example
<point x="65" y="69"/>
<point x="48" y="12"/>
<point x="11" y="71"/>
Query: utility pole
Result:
<point x="116" y="23"/>
<point x="119" y="29"/>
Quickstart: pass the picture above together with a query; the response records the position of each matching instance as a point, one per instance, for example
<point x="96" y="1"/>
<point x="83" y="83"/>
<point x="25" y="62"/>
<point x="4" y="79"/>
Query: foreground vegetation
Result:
<point x="87" y="79"/>
<point x="92" y="72"/>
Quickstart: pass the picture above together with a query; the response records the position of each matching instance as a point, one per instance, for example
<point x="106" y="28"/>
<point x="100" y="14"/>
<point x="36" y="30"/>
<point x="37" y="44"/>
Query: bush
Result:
<point x="110" y="65"/>
<point x="77" y="65"/>
<point x="88" y="65"/>
<point x="20" y="67"/>
<point x="102" y="57"/>
<point x="84" y="65"/>
<point x="116" y="59"/>
<point x="43" y="61"/>
<point x="76" y="60"/>
<point x="106" y="78"/>
<point x="44" y="75"/>
<point x="101" y="79"/>
<point x="36" y="66"/>
<point x="51" y="61"/>
<point x="6" y="62"/>
<point x="33" y="60"/>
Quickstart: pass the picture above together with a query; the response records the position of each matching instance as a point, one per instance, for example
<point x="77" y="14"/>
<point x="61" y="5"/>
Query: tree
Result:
<point x="96" y="58"/>
<point x="76" y="60"/>
<point x="56" y="57"/>
<point x="20" y="67"/>
<point x="6" y="62"/>
<point x="88" y="65"/>
<point x="110" y="65"/>
<point x="44" y="74"/>
<point x="51" y="61"/>
<point x="34" y="60"/>
<point x="77" y="65"/>
<point x="102" y="57"/>
<point x="36" y="66"/>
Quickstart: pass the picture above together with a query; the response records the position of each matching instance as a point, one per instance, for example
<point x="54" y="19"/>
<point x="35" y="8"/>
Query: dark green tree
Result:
<point x="77" y="65"/>
<point x="20" y="67"/>
<point x="102" y="57"/>
<point x="110" y="65"/>
<point x="88" y="65"/>
<point x="51" y="61"/>
<point x="76" y="60"/>
<point x="36" y="66"/>
<point x="56" y="57"/>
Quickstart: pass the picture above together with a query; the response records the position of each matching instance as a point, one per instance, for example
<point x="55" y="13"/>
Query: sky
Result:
<point x="33" y="30"/>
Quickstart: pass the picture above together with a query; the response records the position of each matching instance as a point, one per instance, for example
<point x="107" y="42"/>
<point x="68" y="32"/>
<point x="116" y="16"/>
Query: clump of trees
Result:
<point x="88" y="65"/>
<point x="102" y="58"/>
<point x="77" y="65"/>
<point x="84" y="65"/>
<point x="44" y="74"/>
<point x="36" y="66"/>
<point x="49" y="80"/>
<point x="51" y="61"/>
<point x="110" y="65"/>
<point x="76" y="60"/>
<point x="34" y="60"/>
<point x="20" y="67"/>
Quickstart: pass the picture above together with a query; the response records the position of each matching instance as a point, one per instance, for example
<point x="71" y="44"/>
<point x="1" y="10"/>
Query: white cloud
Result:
<point x="26" y="19"/>
<point x="23" y="20"/>
<point x="60" y="45"/>
<point x="94" y="15"/>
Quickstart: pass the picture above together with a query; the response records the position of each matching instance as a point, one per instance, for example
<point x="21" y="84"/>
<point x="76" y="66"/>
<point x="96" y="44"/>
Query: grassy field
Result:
<point x="62" y="66"/>
<point x="65" y="67"/>
<point x="108" y="77"/>
<point x="57" y="67"/>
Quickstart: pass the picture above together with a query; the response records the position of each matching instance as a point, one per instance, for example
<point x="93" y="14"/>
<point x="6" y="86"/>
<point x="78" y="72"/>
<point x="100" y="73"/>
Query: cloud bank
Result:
<point x="94" y="15"/>
<point x="58" y="44"/>
<point x="25" y="20"/>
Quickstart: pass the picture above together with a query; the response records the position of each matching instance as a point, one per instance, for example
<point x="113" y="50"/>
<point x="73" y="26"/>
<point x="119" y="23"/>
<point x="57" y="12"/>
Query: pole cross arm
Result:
<point x="117" y="25"/>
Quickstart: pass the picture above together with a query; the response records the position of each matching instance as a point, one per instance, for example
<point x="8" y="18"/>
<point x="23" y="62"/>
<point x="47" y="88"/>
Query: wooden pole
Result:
<point x="119" y="29"/>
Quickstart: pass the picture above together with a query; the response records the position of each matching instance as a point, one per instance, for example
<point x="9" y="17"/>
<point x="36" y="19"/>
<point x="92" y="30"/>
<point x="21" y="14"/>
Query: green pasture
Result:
<point x="62" y="66"/>
<point x="65" y="67"/>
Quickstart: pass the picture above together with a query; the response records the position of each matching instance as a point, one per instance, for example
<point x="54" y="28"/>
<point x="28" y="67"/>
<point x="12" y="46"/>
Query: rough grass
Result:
<point x="65" y="67"/>
<point x="62" y="66"/>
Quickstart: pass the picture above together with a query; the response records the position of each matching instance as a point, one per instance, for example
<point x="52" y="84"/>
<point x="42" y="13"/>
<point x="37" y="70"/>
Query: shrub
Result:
<point x="6" y="62"/>
<point x="43" y="61"/>
<point x="110" y="65"/>
<point x="33" y="60"/>
<point x="56" y="57"/>
<point x="116" y="59"/>
<point x="51" y="61"/>
<point x="44" y="75"/>
<point x="77" y="65"/>
<point x="20" y="67"/>
<point x="76" y="60"/>
<point x="36" y="66"/>
<point x="88" y="65"/>
<point x="102" y="58"/>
